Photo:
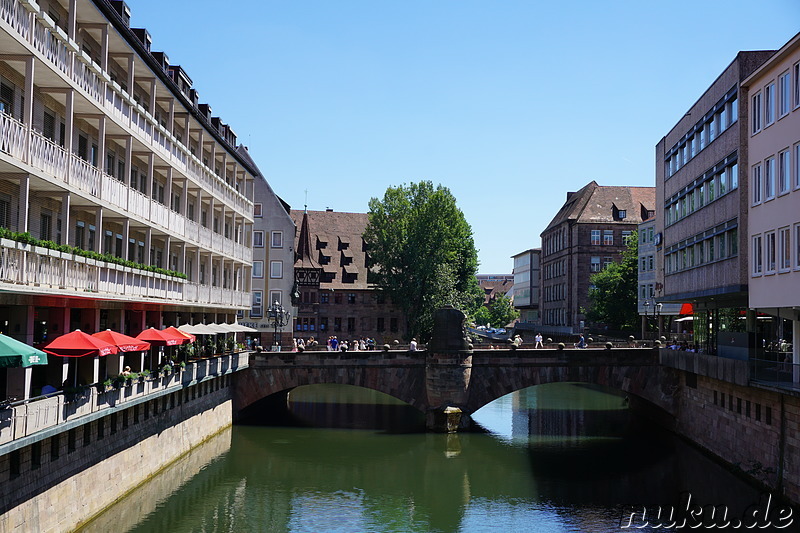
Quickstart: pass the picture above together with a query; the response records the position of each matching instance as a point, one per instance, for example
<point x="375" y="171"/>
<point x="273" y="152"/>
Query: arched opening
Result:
<point x="332" y="405"/>
<point x="582" y="439"/>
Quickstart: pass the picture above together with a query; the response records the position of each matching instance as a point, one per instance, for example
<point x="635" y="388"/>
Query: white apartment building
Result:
<point x="774" y="209"/>
<point x="105" y="148"/>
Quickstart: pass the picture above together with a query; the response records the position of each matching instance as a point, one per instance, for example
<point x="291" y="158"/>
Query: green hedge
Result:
<point x="27" y="238"/>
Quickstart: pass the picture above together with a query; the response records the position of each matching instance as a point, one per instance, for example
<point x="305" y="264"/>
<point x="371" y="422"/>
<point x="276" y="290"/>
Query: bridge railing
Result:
<point x="25" y="418"/>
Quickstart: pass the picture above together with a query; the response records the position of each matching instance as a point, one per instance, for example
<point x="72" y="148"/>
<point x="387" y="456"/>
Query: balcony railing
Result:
<point x="65" y="55"/>
<point x="54" y="160"/>
<point x="26" y="418"/>
<point x="33" y="268"/>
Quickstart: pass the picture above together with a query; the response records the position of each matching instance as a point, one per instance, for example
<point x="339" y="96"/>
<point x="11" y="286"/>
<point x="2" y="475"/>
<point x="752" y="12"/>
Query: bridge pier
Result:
<point x="447" y="377"/>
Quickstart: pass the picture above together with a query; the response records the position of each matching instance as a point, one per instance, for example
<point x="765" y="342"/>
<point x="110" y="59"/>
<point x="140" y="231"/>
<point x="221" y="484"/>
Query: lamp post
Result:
<point x="278" y="317"/>
<point x="656" y="313"/>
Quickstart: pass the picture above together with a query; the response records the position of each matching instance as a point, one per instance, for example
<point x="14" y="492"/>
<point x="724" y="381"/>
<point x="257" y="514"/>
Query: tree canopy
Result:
<point x="421" y="253"/>
<point x="498" y="313"/>
<point x="613" y="290"/>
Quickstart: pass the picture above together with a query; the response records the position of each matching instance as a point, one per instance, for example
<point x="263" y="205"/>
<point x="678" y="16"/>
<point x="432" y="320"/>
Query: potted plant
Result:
<point x="166" y="370"/>
<point x="145" y="374"/>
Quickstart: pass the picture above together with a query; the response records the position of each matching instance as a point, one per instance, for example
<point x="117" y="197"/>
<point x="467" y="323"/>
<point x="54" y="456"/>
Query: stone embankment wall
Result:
<point x="753" y="427"/>
<point x="57" y="483"/>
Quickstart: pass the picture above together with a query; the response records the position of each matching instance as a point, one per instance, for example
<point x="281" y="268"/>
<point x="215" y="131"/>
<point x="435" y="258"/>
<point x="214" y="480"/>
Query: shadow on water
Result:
<point x="302" y="479"/>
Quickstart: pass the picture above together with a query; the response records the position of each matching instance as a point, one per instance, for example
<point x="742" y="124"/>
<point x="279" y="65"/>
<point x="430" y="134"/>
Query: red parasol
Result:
<point x="161" y="337"/>
<point x="188" y="336"/>
<point x="687" y="309"/>
<point x="123" y="342"/>
<point x="79" y="344"/>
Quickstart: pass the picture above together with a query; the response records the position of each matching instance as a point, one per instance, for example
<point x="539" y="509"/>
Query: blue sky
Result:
<point x="510" y="104"/>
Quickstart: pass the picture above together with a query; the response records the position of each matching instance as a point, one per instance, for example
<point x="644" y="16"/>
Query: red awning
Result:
<point x="176" y="331"/>
<point x="687" y="309"/>
<point x="123" y="342"/>
<point x="79" y="344"/>
<point x="161" y="337"/>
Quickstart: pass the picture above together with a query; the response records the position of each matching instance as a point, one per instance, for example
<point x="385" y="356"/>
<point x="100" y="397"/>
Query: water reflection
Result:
<point x="308" y="479"/>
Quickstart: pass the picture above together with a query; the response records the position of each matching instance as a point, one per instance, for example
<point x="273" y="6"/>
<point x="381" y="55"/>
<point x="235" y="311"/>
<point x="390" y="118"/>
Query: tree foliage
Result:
<point x="501" y="310"/>
<point x="613" y="291"/>
<point x="422" y="253"/>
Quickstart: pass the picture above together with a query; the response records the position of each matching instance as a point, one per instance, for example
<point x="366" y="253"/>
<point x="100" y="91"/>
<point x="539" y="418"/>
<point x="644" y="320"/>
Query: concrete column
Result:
<point x="153" y="97"/>
<point x="72" y="18"/>
<point x="27" y="107"/>
<point x="126" y="237"/>
<point x="169" y="187"/>
<point x="131" y="78"/>
<point x="24" y="201"/>
<point x="185" y="197"/>
<point x="126" y="178"/>
<point x="171" y="120"/>
<point x="101" y="143"/>
<point x="182" y="258"/>
<point x="65" y="225"/>
<point x="69" y="125"/>
<point x="148" y="239"/>
<point x="167" y="242"/>
<point x="100" y="235"/>
<point x="104" y="48"/>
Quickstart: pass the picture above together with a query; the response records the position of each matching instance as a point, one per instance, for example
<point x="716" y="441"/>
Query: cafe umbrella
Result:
<point x="14" y="353"/>
<point x="79" y="344"/>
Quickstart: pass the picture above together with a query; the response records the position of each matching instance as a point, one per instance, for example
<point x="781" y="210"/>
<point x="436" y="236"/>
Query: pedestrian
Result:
<point x="413" y="346"/>
<point x="539" y="341"/>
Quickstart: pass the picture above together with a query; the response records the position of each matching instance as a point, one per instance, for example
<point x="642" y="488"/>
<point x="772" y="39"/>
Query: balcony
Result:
<point x="33" y="269"/>
<point x="35" y="26"/>
<point x="72" y="171"/>
<point x="26" y="418"/>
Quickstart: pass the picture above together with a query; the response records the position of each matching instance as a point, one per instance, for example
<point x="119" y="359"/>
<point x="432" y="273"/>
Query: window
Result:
<point x="257" y="210"/>
<point x="784" y="171"/>
<point x="595" y="237"/>
<point x="757" y="184"/>
<point x="756" y="122"/>
<point x="797" y="246"/>
<point x="257" y="309"/>
<point x="45" y="225"/>
<point x="258" y="269"/>
<point x="381" y="324"/>
<point x="797" y="166"/>
<point x="607" y="262"/>
<point x="608" y="237"/>
<point x="276" y="296"/>
<point x="337" y="324"/>
<point x="277" y="239"/>
<point x="651" y="262"/>
<point x="5" y="211"/>
<point x="784" y="97"/>
<point x="769" y="178"/>
<point x="770" y="252"/>
<point x="769" y="104"/>
<point x="276" y="269"/>
<point x="626" y="236"/>
<point x="258" y="239"/>
<point x="7" y="99"/>
<point x="393" y="324"/>
<point x="324" y="297"/>
<point x="351" y="298"/>
<point x="623" y="214"/>
<point x="595" y="264"/>
<point x="796" y="78"/>
<point x="784" y="249"/>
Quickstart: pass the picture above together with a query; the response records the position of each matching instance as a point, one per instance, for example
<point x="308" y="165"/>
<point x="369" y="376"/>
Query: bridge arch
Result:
<point x="649" y="383"/>
<point x="404" y="383"/>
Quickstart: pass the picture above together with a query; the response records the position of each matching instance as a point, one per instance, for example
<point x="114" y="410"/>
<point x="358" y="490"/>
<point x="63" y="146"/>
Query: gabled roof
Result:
<point x="601" y="204"/>
<point x="321" y="233"/>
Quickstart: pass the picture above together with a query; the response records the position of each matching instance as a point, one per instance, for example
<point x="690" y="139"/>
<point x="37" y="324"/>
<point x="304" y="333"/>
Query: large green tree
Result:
<point x="421" y="253"/>
<point x="613" y="291"/>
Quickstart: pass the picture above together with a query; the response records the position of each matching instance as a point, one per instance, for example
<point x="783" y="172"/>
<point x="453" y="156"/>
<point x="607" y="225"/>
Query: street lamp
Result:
<point x="656" y="313"/>
<point x="278" y="317"/>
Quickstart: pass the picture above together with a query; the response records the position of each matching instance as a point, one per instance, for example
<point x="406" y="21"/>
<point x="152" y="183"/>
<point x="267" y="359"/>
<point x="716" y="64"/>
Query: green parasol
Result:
<point x="14" y="353"/>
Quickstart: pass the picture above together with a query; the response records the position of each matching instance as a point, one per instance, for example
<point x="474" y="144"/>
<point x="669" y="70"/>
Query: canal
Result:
<point x="554" y="458"/>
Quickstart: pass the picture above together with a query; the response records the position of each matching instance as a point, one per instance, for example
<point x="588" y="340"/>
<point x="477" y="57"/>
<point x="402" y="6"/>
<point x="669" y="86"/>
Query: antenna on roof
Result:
<point x="305" y="207"/>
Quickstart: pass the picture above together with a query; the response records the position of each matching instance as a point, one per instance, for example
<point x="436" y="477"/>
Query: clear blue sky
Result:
<point x="510" y="104"/>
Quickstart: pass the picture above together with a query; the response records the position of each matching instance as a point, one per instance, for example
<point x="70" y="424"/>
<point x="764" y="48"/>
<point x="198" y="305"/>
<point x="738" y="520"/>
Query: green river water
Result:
<point x="552" y="458"/>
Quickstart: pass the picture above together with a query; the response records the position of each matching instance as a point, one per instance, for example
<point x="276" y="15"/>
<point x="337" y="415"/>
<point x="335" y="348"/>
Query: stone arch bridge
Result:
<point x="449" y="386"/>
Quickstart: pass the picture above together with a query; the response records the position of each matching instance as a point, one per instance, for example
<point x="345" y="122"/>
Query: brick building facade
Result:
<point x="589" y="232"/>
<point x="332" y="294"/>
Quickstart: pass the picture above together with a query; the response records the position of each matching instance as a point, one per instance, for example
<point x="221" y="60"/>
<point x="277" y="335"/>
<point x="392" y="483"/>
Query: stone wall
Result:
<point x="752" y="428"/>
<point x="59" y="482"/>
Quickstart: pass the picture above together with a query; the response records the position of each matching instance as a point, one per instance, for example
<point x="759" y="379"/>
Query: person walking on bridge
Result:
<point x="539" y="341"/>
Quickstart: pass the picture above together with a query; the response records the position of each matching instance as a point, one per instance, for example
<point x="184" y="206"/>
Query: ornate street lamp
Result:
<point x="656" y="313"/>
<point x="278" y="317"/>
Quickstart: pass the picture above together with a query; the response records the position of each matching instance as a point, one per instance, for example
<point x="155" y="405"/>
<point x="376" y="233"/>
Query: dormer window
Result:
<point x="622" y="214"/>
